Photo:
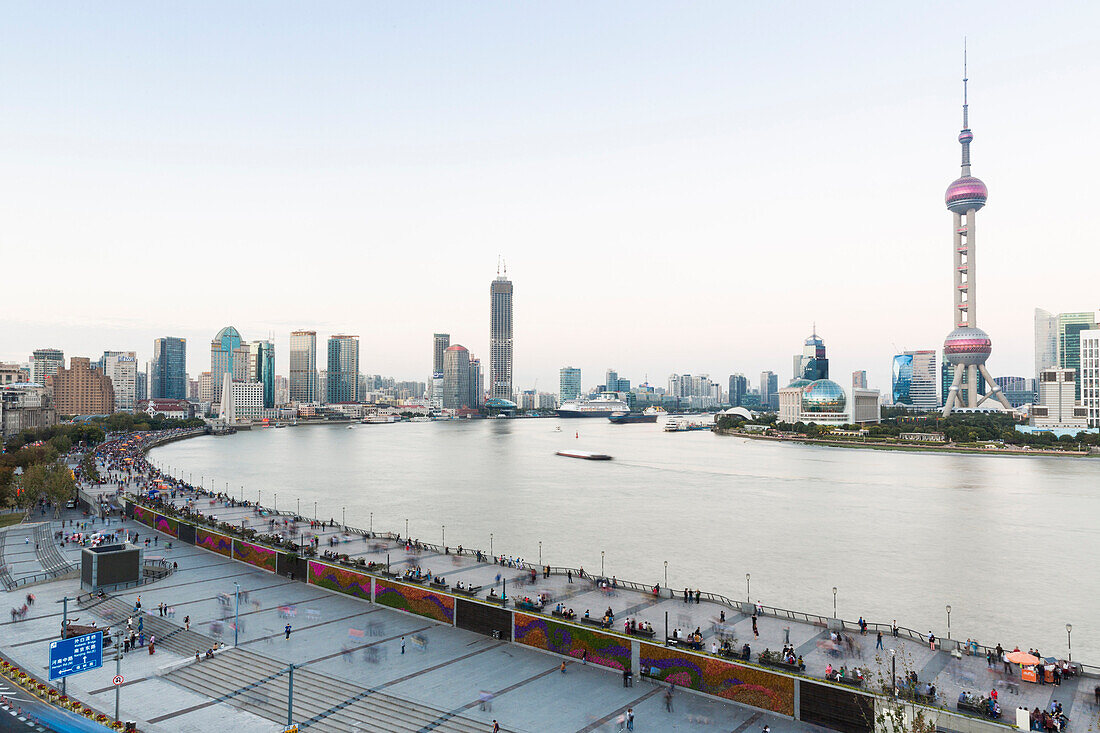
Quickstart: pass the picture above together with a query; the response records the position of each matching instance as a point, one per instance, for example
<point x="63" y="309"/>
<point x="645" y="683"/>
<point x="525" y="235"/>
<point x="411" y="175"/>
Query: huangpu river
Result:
<point x="1010" y="543"/>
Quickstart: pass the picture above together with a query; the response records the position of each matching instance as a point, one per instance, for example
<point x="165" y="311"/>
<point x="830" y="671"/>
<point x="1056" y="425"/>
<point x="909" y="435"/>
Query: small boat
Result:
<point x="351" y="427"/>
<point x="584" y="454"/>
<point x="623" y="418"/>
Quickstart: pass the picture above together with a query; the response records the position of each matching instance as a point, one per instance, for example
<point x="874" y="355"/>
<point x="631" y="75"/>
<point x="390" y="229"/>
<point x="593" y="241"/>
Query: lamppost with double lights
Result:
<point x="834" y="601"/>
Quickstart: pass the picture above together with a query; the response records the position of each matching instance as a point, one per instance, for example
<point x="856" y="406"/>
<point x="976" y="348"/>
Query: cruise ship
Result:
<point x="602" y="405"/>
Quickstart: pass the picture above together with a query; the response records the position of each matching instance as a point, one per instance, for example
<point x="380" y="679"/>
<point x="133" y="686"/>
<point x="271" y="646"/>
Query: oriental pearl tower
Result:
<point x="967" y="347"/>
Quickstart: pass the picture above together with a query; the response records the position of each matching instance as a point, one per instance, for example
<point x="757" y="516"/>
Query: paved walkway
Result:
<point x="443" y="668"/>
<point x="441" y="672"/>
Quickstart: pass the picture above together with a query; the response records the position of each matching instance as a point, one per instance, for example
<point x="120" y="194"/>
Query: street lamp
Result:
<point x="1069" y="640"/>
<point x="666" y="574"/>
<point x="894" y="670"/>
<point x="236" y="613"/>
<point x="748" y="595"/>
<point x="259" y="492"/>
<point x="948" y="620"/>
<point x="490" y="538"/>
<point x="344" y="518"/>
<point x="540" y="553"/>
<point x="314" y="511"/>
<point x="834" y="601"/>
<point x="298" y="511"/>
<point x="444" y="528"/>
<point x="372" y="523"/>
<point x="406" y="529"/>
<point x="276" y="502"/>
<point x="601" y="563"/>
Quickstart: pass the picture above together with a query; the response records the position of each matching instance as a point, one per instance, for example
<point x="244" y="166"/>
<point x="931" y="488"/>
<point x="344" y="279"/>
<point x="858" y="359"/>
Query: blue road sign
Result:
<point x="78" y="654"/>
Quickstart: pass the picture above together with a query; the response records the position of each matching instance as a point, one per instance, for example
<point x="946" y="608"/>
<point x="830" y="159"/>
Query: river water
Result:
<point x="1011" y="543"/>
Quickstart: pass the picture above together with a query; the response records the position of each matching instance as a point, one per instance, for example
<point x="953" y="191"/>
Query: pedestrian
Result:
<point x="755" y="631"/>
<point x="685" y="595"/>
<point x="621" y="720"/>
<point x="402" y="644"/>
<point x="878" y="641"/>
<point x="1008" y="667"/>
<point x="894" y="628"/>
<point x="187" y="622"/>
<point x="697" y="594"/>
<point x="584" y="656"/>
<point x="562" y="670"/>
<point x="1096" y="691"/>
<point x="630" y="718"/>
<point x="496" y="727"/>
<point x="668" y="699"/>
<point x="152" y="643"/>
<point x="286" y="630"/>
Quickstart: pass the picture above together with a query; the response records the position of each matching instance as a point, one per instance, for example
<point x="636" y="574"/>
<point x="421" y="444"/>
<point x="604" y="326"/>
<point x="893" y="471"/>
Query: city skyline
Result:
<point x="687" y="156"/>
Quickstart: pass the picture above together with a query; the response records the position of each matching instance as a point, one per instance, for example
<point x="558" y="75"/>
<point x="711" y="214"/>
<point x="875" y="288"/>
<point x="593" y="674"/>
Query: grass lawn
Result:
<point x="7" y="520"/>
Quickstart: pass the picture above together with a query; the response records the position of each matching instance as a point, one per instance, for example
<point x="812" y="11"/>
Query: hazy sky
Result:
<point x="675" y="186"/>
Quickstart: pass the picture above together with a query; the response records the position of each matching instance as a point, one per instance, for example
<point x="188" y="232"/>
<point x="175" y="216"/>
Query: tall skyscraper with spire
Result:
<point x="500" y="335"/>
<point x="968" y="347"/>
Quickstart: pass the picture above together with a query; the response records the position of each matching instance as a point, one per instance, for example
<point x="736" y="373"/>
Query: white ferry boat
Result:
<point x="602" y="405"/>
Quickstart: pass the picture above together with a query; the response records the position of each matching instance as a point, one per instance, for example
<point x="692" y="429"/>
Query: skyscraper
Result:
<point x="477" y="389"/>
<point x="611" y="381"/>
<point x="1070" y="327"/>
<point x="342" y="384"/>
<point x="769" y="390"/>
<point x="914" y="379"/>
<point x="812" y="363"/>
<point x="968" y="347"/>
<point x="121" y="368"/>
<point x="456" y="377"/>
<point x="440" y="342"/>
<point x="261" y="368"/>
<point x="1090" y="376"/>
<point x="226" y="358"/>
<point x="569" y="383"/>
<point x="1046" y="340"/>
<point x="45" y="363"/>
<point x="168" y="372"/>
<point x="303" y="366"/>
<point x="739" y="387"/>
<point x="500" y="336"/>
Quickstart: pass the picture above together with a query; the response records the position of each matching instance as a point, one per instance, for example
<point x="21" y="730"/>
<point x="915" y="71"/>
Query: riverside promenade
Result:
<point x="350" y="650"/>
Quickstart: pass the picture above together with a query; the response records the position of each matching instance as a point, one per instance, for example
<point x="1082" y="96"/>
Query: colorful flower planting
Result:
<point x="143" y="515"/>
<point x="340" y="580"/>
<point x="214" y="542"/>
<point x="256" y="555"/>
<point x="415" y="600"/>
<point x="167" y="525"/>
<point x="745" y="685"/>
<point x="607" y="650"/>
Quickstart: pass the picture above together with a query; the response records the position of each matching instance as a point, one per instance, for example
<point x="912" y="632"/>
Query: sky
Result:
<point x="675" y="187"/>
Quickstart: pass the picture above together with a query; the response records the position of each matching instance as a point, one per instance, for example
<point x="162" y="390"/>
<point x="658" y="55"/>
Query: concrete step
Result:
<point x="314" y="695"/>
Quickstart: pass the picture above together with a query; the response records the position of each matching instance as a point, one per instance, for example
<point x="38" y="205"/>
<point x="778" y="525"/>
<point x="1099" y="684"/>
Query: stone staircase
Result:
<point x="259" y="684"/>
<point x="48" y="555"/>
<point x="170" y="636"/>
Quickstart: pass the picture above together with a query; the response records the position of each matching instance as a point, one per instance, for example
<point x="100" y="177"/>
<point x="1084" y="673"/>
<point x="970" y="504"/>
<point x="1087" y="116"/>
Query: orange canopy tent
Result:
<point x="1022" y="658"/>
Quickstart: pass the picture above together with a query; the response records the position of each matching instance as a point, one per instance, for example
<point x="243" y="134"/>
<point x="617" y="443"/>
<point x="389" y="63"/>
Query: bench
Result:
<point x="595" y="622"/>
<point x="850" y="681"/>
<point x="780" y="665"/>
<point x="418" y="581"/>
<point x="436" y="584"/>
<point x="651" y="633"/>
<point x="696" y="645"/>
<point x="526" y="606"/>
<point x="560" y="614"/>
<point x="978" y="708"/>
